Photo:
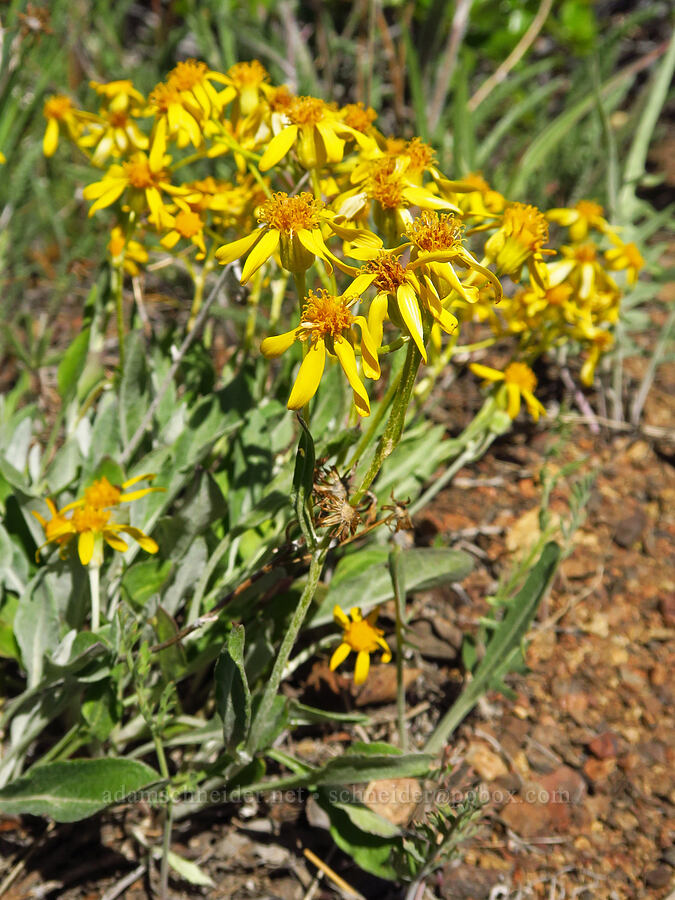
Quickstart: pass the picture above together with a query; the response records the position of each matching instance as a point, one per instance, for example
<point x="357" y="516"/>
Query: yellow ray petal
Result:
<point x="362" y="666"/>
<point x="341" y="653"/>
<point x="410" y="312"/>
<point x="486" y="372"/>
<point x="371" y="364"/>
<point x="85" y="547"/>
<point x="115" y="541"/>
<point x="309" y="376"/>
<point x="274" y="346"/>
<point x="513" y="405"/>
<point x="236" y="249"/>
<point x="278" y="147"/>
<point x="262" y="251"/>
<point x="345" y="353"/>
<point x="51" y="139"/>
<point x="145" y="542"/>
<point x="334" y="145"/>
<point x="340" y="616"/>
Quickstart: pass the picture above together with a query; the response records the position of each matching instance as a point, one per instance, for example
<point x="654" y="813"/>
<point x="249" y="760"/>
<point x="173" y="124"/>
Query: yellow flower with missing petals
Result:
<point x="361" y="636"/>
<point x="325" y="321"/>
<point x="289" y="224"/>
<point x="92" y="527"/>
<point x="189" y="225"/>
<point x="518" y="381"/>
<point x="519" y="241"/>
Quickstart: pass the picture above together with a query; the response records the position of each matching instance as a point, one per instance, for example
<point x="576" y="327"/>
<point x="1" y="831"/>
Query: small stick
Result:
<point x="329" y="873"/>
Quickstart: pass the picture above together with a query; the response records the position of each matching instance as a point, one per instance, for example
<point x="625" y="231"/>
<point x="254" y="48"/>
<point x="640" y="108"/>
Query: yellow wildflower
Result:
<point x="581" y="268"/>
<point x="326" y="324"/>
<point x="61" y="114"/>
<point x="102" y="494"/>
<point x="315" y="129"/>
<point x="625" y="257"/>
<point x="143" y="184"/>
<point x="519" y="241"/>
<point x="189" y="225"/>
<point x="580" y="219"/>
<point x="518" y="381"/>
<point x="361" y="636"/>
<point x="246" y="82"/>
<point x="289" y="224"/>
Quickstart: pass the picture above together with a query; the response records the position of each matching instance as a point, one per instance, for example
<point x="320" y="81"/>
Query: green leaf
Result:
<point x="301" y="714"/>
<point x="365" y="819"/>
<point x="72" y="365"/>
<point x="303" y="483"/>
<point x="368" y="578"/>
<point x="36" y="626"/>
<point x="144" y="579"/>
<point x="134" y="387"/>
<point x="101" y="709"/>
<point x="75" y="789"/>
<point x="188" y="870"/>
<point x="172" y="659"/>
<point x="369" y="851"/>
<point x="506" y="639"/>
<point x="233" y="696"/>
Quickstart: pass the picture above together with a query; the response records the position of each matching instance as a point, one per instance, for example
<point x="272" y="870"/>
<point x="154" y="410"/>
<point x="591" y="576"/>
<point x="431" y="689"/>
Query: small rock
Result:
<point x="667" y="610"/>
<point x="658" y="877"/>
<point x="381" y="685"/>
<point x="605" y="745"/>
<point x="467" y="882"/>
<point x="528" y="820"/>
<point x="564" y="785"/>
<point x="629" y="529"/>
<point x="485" y="762"/>
<point x="599" y="769"/>
<point x="395" y="799"/>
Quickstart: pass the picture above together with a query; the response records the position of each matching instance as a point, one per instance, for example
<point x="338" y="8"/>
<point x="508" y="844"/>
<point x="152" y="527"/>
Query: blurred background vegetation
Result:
<point x="543" y="97"/>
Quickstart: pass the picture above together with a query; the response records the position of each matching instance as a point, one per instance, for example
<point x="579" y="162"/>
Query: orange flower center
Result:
<point x="521" y="375"/>
<point x="187" y="74"/>
<point x="280" y="99"/>
<point x="421" y="155"/>
<point x="585" y="253"/>
<point x="306" y="110"/>
<point x="526" y="225"/>
<point x="388" y="271"/>
<point x="163" y="95"/>
<point x="139" y="174"/>
<point x="325" y="314"/>
<point x="188" y="223"/>
<point x="385" y="186"/>
<point x="90" y="518"/>
<point x="558" y="295"/>
<point x="587" y="209"/>
<point x="57" y="107"/>
<point x="477" y="180"/>
<point x="118" y="119"/>
<point x="362" y="636"/>
<point x="248" y="73"/>
<point x="431" y="232"/>
<point x="358" y="117"/>
<point x="290" y="214"/>
<point x="101" y="494"/>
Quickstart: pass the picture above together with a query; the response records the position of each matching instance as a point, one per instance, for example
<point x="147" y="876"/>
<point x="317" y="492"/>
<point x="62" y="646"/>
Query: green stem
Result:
<point x="394" y="427"/>
<point x="396" y="572"/>
<point x="300" y="286"/>
<point x="95" y="591"/>
<point x="261" y="721"/>
<point x="117" y="289"/>
<point x="375" y="420"/>
<point x="168" y="818"/>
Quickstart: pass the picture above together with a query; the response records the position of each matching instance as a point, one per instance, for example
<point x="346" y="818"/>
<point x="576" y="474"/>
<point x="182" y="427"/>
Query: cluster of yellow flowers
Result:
<point x="300" y="184"/>
<point x="90" y="520"/>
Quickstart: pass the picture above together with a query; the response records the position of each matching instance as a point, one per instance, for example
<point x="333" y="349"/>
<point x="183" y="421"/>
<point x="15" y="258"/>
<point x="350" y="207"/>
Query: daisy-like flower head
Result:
<point x="518" y="380"/>
<point x="402" y="293"/>
<point x="599" y="341"/>
<point x="246" y="81"/>
<point x="625" y="257"/>
<point x="177" y="117"/>
<point x="187" y="225"/>
<point x="289" y="224"/>
<point x="473" y="195"/>
<point x="580" y="219"/>
<point x="317" y="132"/>
<point x="117" y="134"/>
<point x="581" y="268"/>
<point x="326" y="325"/>
<point x="518" y="241"/>
<point x="436" y="243"/>
<point x="62" y="115"/>
<point x="360" y="636"/>
<point x="142" y="181"/>
<point x="119" y="95"/>
<point x="193" y="80"/>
